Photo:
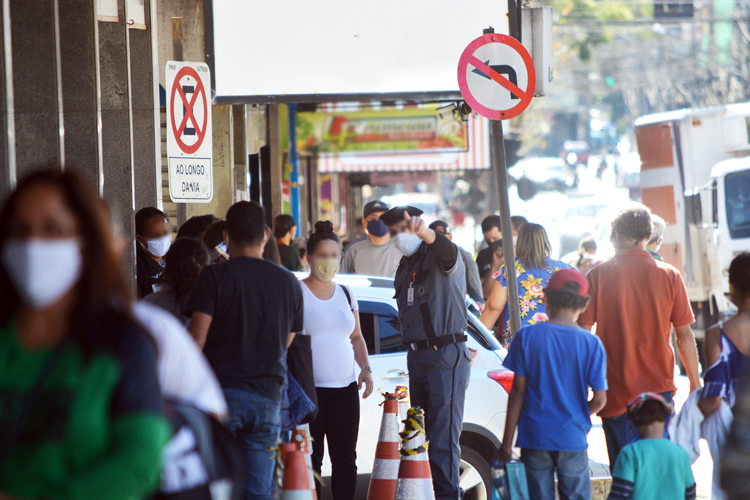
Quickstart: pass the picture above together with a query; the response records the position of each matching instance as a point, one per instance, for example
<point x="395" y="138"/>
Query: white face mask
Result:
<point x="43" y="270"/>
<point x="515" y="241"/>
<point x="325" y="268"/>
<point x="406" y="243"/>
<point x="159" y="247"/>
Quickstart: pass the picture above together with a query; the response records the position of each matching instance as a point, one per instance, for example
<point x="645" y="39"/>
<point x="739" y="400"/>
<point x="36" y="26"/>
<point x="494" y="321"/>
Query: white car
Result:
<point x="486" y="399"/>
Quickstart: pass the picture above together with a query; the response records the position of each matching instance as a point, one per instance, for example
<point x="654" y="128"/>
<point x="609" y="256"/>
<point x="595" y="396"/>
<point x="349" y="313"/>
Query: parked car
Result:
<point x="486" y="399"/>
<point x="575" y="153"/>
<point x="550" y="174"/>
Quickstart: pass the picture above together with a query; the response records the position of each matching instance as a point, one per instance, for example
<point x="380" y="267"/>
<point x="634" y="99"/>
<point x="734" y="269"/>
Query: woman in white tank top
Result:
<point x="340" y="362"/>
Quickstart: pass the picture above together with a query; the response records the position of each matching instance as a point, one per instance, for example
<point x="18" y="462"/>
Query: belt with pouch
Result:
<point x="437" y="342"/>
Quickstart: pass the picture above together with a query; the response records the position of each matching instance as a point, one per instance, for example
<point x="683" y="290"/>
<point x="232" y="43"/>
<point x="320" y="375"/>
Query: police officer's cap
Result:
<point x="396" y="214"/>
<point x="440" y="226"/>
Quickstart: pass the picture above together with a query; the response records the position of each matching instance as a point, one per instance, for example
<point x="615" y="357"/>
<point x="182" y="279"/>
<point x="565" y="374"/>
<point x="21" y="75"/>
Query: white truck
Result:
<point x="695" y="174"/>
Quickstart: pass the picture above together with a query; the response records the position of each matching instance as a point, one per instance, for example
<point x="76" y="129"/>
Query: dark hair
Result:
<point x="323" y="231"/>
<point x="563" y="299"/>
<point x="144" y="215"/>
<point x="589" y="244"/>
<point x="739" y="273"/>
<point x="650" y="411"/>
<point x="518" y="222"/>
<point x="533" y="246"/>
<point x="196" y="226"/>
<point x="246" y="223"/>
<point x="102" y="292"/>
<point x="360" y="222"/>
<point x="214" y="235"/>
<point x="282" y="224"/>
<point x="489" y="222"/>
<point x="633" y="222"/>
<point x="271" y="251"/>
<point x="183" y="264"/>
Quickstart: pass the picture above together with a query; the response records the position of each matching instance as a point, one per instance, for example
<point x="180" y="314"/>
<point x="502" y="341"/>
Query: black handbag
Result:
<point x="300" y="366"/>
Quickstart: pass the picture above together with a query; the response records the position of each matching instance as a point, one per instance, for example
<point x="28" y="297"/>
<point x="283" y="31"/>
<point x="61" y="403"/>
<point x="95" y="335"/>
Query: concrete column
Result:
<point x="35" y="84"/>
<point x="144" y="92"/>
<point x="223" y="164"/>
<point x="117" y="154"/>
<point x="79" y="72"/>
<point x="274" y="141"/>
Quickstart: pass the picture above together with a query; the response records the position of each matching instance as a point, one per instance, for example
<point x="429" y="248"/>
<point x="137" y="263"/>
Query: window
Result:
<point x="380" y="327"/>
<point x="737" y="191"/>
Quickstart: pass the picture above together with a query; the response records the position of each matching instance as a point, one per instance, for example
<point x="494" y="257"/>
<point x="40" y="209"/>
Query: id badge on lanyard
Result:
<point x="410" y="291"/>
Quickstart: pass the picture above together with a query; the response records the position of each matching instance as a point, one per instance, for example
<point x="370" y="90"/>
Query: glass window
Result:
<point x="737" y="190"/>
<point x="380" y="327"/>
<point x="389" y="330"/>
<point x="367" y="323"/>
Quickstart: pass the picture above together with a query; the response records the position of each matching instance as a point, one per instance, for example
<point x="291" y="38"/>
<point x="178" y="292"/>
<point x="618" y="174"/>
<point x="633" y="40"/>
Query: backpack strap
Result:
<point x="348" y="296"/>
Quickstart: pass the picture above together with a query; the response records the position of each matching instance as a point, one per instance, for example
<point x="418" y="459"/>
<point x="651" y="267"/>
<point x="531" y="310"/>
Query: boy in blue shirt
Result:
<point x="652" y="466"/>
<point x="555" y="364"/>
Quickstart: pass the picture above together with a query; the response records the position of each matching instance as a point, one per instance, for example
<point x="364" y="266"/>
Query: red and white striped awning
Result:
<point x="476" y="158"/>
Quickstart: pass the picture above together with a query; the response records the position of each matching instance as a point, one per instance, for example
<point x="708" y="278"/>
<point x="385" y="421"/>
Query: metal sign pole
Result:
<point x="501" y="174"/>
<point x="178" y="56"/>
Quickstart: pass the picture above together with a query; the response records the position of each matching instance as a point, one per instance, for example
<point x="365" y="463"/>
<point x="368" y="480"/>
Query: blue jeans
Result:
<point x="255" y="421"/>
<point x="618" y="433"/>
<point x="573" y="476"/>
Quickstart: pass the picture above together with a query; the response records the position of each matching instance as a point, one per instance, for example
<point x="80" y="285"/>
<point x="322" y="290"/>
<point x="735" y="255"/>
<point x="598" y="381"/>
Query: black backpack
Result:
<point x="202" y="460"/>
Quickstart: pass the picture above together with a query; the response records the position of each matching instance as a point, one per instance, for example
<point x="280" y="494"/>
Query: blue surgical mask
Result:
<point x="377" y="228"/>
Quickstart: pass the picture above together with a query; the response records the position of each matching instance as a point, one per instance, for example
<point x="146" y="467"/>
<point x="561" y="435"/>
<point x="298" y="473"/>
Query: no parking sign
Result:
<point x="189" y="132"/>
<point x="496" y="76"/>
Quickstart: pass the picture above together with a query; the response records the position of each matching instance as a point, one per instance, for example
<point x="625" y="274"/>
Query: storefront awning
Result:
<point x="476" y="158"/>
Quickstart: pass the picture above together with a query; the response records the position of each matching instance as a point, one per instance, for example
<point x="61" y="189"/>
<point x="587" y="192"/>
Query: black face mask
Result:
<point x="494" y="245"/>
<point x="377" y="228"/>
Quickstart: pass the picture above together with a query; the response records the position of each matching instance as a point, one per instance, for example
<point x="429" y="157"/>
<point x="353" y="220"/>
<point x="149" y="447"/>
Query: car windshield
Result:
<point x="737" y="188"/>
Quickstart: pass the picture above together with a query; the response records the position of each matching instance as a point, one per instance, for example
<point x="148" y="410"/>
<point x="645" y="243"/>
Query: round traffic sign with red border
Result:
<point x="496" y="76"/>
<point x="189" y="127"/>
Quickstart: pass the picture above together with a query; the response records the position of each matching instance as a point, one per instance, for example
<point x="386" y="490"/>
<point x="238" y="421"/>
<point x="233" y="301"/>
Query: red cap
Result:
<point x="559" y="281"/>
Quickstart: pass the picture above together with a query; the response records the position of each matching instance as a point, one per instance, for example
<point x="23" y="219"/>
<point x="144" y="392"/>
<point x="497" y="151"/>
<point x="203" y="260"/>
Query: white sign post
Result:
<point x="189" y="132"/>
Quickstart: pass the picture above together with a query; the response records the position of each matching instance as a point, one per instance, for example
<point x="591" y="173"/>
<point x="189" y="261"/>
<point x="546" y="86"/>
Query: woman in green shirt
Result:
<point x="80" y="406"/>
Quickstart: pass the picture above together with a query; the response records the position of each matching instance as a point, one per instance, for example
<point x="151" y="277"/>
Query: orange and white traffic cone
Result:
<point x="402" y="392"/>
<point x="387" y="458"/>
<point x="301" y="437"/>
<point x="295" y="485"/>
<point x="414" y="475"/>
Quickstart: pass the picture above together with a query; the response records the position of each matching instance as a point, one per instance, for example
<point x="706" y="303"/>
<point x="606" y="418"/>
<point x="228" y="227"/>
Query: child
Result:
<point x="652" y="466"/>
<point x="555" y="364"/>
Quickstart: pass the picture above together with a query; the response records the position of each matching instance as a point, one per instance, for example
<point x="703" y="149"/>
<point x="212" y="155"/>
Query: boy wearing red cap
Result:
<point x="555" y="364"/>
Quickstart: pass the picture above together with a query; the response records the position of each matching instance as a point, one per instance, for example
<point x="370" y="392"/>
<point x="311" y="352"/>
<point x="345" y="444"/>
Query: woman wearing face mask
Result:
<point x="332" y="321"/>
<point x="79" y="394"/>
<point x="153" y="236"/>
<point x="184" y="262"/>
<point x="534" y="268"/>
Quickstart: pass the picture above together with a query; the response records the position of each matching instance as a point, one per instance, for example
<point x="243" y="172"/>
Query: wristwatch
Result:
<point x="368" y="368"/>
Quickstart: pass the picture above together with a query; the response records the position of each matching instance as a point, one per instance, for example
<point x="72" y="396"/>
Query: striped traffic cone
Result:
<point x="301" y="437"/>
<point x="414" y="476"/>
<point x="295" y="485"/>
<point x="387" y="458"/>
<point x="402" y="392"/>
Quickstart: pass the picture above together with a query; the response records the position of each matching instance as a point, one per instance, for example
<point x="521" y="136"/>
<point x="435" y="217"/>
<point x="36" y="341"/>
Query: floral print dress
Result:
<point x="531" y="284"/>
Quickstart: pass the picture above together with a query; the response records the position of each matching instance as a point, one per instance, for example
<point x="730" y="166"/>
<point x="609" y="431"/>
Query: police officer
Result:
<point x="430" y="289"/>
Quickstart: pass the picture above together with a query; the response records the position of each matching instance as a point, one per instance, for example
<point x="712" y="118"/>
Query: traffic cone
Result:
<point x="403" y="401"/>
<point x="301" y="437"/>
<point x="414" y="475"/>
<point x="295" y="485"/>
<point x="387" y="458"/>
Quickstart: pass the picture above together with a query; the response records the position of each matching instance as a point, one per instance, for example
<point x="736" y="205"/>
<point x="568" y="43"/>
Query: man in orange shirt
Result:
<point x="635" y="301"/>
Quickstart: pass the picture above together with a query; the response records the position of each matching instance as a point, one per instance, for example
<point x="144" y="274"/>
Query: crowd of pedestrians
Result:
<point x="88" y="376"/>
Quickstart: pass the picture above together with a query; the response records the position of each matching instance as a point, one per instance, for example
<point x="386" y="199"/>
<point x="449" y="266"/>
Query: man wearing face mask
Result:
<point x="374" y="254"/>
<point x="430" y="287"/>
<point x="153" y="236"/>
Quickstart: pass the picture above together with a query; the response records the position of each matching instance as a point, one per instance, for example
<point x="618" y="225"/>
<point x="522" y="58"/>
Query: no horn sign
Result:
<point x="496" y="76"/>
<point x="189" y="133"/>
